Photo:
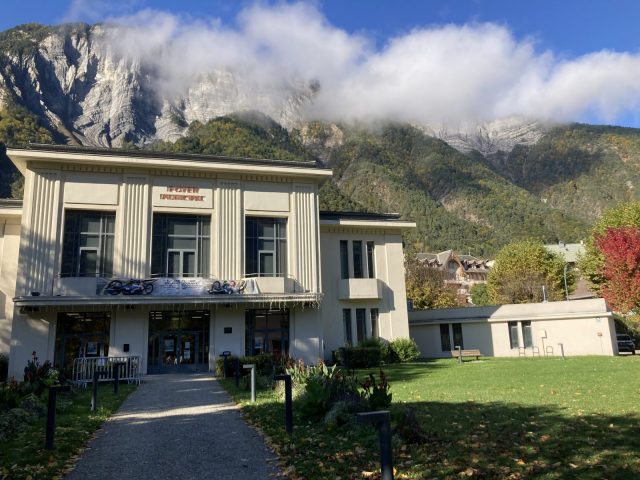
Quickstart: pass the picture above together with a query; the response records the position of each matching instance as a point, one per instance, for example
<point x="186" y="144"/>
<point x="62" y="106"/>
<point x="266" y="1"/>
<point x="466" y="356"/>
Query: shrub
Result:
<point x="406" y="349"/>
<point x="320" y="387"/>
<point x="264" y="365"/>
<point x="4" y="367"/>
<point x="359" y="357"/>
<point x="39" y="376"/>
<point x="376" y="394"/>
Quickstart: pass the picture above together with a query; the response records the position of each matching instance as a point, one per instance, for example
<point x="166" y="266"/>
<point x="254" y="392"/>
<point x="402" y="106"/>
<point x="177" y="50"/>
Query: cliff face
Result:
<point x="93" y="95"/>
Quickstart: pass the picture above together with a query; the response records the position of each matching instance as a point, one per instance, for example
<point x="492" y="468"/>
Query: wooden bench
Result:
<point x="466" y="353"/>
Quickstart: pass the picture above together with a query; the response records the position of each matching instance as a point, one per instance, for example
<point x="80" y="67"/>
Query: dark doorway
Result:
<point x="178" y="342"/>
<point x="80" y="334"/>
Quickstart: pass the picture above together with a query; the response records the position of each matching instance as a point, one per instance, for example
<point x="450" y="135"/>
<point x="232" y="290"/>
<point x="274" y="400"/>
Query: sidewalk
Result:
<point x="174" y="427"/>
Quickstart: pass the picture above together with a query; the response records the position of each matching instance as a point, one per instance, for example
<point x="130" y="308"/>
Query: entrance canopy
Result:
<point x="49" y="303"/>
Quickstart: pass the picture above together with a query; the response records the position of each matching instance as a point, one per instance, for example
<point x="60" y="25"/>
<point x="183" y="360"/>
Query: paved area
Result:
<point x="175" y="427"/>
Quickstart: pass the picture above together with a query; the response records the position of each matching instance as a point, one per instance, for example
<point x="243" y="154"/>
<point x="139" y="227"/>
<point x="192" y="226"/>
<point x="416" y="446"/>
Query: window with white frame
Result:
<point x="265" y="247"/>
<point x="88" y="243"/>
<point x="513" y="335"/>
<point x="181" y="245"/>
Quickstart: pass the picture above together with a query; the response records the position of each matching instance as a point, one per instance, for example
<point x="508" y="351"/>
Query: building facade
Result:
<point x="579" y="327"/>
<point x="179" y="258"/>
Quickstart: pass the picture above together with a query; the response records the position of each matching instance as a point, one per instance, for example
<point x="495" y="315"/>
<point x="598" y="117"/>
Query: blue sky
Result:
<point x="571" y="31"/>
<point x="572" y="27"/>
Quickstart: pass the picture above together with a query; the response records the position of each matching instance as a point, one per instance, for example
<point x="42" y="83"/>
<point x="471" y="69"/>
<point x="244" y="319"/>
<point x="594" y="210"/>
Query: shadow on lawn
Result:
<point x="511" y="441"/>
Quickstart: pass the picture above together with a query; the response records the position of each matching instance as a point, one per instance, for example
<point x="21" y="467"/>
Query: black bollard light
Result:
<point x="116" y="376"/>
<point x="381" y="420"/>
<point x="288" y="402"/>
<point x="94" y="390"/>
<point x="224" y="356"/>
<point x="51" y="414"/>
<point x="237" y="367"/>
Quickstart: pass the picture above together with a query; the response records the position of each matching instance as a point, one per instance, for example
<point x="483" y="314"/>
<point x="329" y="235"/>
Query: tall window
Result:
<point x="266" y="247"/>
<point x="357" y="259"/>
<point x="181" y="245"/>
<point x="344" y="259"/>
<point x="361" y="323"/>
<point x="374" y="323"/>
<point x="87" y="249"/>
<point x="346" y="322"/>
<point x="370" y="260"/>
<point x="526" y="334"/>
<point x="457" y="335"/>
<point x="513" y="335"/>
<point x="445" y="338"/>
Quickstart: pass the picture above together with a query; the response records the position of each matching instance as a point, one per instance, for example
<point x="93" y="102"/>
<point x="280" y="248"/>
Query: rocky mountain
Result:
<point x="90" y="93"/>
<point x="489" y="138"/>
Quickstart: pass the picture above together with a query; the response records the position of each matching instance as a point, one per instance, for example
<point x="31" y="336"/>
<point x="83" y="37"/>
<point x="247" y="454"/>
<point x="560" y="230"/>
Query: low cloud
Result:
<point x="450" y="75"/>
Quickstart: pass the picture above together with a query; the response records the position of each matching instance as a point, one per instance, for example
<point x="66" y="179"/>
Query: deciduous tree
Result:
<point x="620" y="250"/>
<point x="426" y="287"/>
<point x="521" y="271"/>
<point x="592" y="263"/>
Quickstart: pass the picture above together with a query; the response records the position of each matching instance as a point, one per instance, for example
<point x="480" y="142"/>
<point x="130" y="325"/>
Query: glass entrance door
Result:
<point x="178" y="342"/>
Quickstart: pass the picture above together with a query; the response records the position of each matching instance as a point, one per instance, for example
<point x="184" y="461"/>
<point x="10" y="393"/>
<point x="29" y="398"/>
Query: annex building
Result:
<point x="179" y="258"/>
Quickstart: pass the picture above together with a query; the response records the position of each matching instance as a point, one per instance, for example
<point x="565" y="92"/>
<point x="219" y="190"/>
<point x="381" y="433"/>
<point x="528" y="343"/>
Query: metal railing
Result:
<point x="83" y="368"/>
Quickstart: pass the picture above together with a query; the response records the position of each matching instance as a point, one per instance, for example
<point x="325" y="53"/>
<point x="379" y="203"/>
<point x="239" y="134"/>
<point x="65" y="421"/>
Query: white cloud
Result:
<point x="439" y="75"/>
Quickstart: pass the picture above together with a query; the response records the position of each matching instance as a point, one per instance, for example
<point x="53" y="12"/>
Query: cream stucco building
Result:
<point x="578" y="327"/>
<point x="117" y="253"/>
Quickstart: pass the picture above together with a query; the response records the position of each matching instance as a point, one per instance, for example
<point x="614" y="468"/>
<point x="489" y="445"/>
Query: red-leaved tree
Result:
<point x="620" y="248"/>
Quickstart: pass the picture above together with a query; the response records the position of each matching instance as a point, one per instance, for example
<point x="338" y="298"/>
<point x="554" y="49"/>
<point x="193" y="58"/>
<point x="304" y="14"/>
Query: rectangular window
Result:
<point x="370" y="260"/>
<point x="445" y="338"/>
<point x="357" y="259"/>
<point x="457" y="335"/>
<point x="346" y="321"/>
<point x="374" y="323"/>
<point x="265" y="247"/>
<point x="181" y="245"/>
<point x="513" y="335"/>
<point x="88" y="241"/>
<point x="526" y="334"/>
<point x="344" y="259"/>
<point x="267" y="331"/>
<point x="361" y="323"/>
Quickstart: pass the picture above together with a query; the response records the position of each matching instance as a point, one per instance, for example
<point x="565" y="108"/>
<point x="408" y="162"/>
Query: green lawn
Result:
<point x="24" y="457"/>
<point x="496" y="418"/>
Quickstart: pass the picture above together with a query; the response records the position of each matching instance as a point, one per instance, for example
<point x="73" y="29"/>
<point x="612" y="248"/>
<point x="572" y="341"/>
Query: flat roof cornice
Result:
<point x="179" y="161"/>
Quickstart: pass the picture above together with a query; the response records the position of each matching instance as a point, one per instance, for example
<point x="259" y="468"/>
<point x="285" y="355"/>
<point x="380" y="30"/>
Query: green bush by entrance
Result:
<point x="264" y="365"/>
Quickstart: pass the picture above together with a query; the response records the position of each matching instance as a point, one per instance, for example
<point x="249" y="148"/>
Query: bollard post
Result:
<point x="288" y="402"/>
<point x="51" y="414"/>
<point x="94" y="390"/>
<point x="561" y="345"/>
<point x="224" y="356"/>
<point x="459" y="348"/>
<point x="237" y="368"/>
<point x="253" y="380"/>
<point x="381" y="421"/>
<point x="116" y="376"/>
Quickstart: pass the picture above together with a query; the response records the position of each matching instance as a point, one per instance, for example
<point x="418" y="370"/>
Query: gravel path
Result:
<point x="175" y="427"/>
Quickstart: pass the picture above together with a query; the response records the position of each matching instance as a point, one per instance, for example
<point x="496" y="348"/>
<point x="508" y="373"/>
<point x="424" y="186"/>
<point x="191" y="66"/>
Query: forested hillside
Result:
<point x="579" y="169"/>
